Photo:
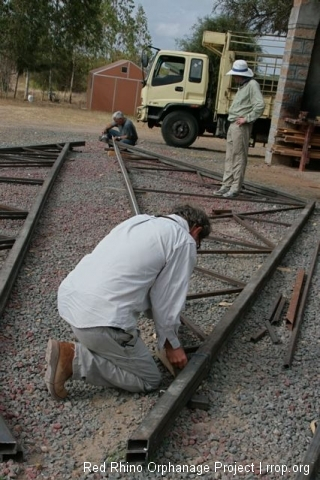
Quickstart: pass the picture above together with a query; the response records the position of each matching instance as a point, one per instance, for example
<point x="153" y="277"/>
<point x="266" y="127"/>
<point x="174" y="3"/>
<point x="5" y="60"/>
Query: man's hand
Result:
<point x="176" y="356"/>
<point x="240" y="121"/>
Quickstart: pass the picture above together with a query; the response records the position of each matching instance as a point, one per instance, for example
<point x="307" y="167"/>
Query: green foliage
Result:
<point x="193" y="42"/>
<point x="59" y="40"/>
<point x="261" y="16"/>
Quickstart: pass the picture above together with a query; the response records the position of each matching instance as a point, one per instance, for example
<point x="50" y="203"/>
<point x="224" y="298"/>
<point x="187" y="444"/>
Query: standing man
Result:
<point x="126" y="132"/>
<point x="247" y="106"/>
<point x="144" y="264"/>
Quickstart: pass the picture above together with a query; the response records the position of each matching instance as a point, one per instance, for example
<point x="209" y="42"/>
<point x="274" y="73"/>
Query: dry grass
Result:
<point x="49" y="114"/>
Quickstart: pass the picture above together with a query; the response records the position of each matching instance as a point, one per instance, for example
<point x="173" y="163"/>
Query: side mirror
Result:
<point x="144" y="59"/>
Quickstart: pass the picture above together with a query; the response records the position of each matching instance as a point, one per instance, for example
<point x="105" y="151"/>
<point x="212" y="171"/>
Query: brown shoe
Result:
<point x="59" y="357"/>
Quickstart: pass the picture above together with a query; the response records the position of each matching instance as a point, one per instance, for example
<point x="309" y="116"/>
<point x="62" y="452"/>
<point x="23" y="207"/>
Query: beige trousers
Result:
<point x="111" y="357"/>
<point x="238" y="138"/>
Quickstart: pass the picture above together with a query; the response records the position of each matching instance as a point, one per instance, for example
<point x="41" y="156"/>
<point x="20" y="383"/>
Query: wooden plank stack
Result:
<point x="302" y="141"/>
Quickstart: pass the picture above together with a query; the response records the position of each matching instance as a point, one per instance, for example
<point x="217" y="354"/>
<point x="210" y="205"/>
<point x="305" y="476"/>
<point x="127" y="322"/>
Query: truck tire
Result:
<point x="179" y="129"/>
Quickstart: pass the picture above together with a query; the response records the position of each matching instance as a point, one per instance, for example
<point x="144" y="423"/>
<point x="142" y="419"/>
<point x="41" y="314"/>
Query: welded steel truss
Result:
<point x="143" y="442"/>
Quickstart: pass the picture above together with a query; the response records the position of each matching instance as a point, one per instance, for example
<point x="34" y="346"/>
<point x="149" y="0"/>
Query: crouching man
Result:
<point x="143" y="263"/>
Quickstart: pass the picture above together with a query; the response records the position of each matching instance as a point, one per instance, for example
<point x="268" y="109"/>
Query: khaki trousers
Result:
<point x="238" y="138"/>
<point x="111" y="357"/>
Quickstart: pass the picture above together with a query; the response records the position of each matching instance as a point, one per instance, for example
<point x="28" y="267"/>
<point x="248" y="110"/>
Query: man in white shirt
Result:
<point x="145" y="263"/>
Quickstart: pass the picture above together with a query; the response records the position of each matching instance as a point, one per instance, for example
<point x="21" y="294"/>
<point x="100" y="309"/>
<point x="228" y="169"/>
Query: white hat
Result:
<point x="240" y="67"/>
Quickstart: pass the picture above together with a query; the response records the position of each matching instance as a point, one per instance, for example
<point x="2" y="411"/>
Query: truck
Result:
<point x="178" y="94"/>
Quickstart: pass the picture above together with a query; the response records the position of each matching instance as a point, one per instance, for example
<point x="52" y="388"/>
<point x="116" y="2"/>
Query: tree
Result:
<point x="125" y="32"/>
<point x="261" y="16"/>
<point x="193" y="42"/>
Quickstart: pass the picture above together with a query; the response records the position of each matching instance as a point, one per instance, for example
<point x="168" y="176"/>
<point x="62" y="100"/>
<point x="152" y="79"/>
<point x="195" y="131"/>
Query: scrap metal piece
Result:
<point x="296" y="328"/>
<point x="272" y="333"/>
<point x="8" y="444"/>
<point x="272" y="314"/>
<point x="199" y="401"/>
<point x="296" y="294"/>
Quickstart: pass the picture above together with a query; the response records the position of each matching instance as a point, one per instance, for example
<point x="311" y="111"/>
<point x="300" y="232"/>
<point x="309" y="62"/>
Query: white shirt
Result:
<point x="145" y="262"/>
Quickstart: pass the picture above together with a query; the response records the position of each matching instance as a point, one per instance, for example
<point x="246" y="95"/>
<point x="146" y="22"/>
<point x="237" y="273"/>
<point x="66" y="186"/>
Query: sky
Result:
<point x="171" y="19"/>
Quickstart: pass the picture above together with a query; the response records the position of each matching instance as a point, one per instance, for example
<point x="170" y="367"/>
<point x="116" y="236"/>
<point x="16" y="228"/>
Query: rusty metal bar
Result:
<point x="196" y="330"/>
<point x="223" y="278"/>
<point x="32" y="181"/>
<point x="296" y="295"/>
<point x="235" y="252"/>
<point x="150" y="432"/>
<point x="251" y="229"/>
<point x="13" y="262"/>
<point x="271" y="331"/>
<point x="259" y="212"/>
<point x="6" y="242"/>
<point x="273" y="317"/>
<point x="132" y="197"/>
<point x="264" y="220"/>
<point x="237" y="241"/>
<point x="35" y="148"/>
<point x="214" y="293"/>
<point x="296" y="328"/>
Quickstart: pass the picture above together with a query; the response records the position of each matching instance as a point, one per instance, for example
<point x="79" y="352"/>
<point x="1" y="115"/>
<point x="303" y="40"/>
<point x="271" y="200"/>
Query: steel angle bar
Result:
<point x="221" y="251"/>
<point x="8" y="444"/>
<point x="44" y="146"/>
<point x="214" y="293"/>
<point x="298" y="321"/>
<point x="6" y="242"/>
<point x="143" y="442"/>
<point x="296" y="294"/>
<point x="260" y="212"/>
<point x="254" y="232"/>
<point x="217" y="176"/>
<point x="223" y="278"/>
<point x="194" y="328"/>
<point x="132" y="197"/>
<point x="236" y="241"/>
<point x="32" y="181"/>
<point x="312" y="459"/>
<point x="13" y="262"/>
<point x="272" y="317"/>
<point x="264" y="220"/>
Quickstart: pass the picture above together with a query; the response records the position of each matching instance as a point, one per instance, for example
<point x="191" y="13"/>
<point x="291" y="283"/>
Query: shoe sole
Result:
<point x="216" y="194"/>
<point x="52" y="358"/>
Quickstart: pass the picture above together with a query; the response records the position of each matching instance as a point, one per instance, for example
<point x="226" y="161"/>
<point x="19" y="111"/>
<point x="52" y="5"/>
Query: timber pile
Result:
<point x="302" y="142"/>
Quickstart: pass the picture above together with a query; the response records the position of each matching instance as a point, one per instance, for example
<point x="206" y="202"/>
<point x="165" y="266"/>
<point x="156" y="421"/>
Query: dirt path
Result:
<point x="207" y="150"/>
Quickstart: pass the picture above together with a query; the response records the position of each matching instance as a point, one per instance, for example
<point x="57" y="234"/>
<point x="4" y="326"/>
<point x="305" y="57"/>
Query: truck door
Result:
<point x="167" y="81"/>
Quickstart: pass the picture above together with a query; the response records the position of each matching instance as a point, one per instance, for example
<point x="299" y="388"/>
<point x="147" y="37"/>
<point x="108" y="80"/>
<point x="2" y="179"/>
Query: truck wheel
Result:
<point x="179" y="129"/>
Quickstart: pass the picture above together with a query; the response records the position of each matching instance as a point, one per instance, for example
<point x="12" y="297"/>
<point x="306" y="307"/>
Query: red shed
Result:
<point x="115" y="87"/>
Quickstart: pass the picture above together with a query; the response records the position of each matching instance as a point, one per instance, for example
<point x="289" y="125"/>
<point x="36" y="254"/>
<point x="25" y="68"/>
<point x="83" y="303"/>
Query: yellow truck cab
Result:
<point x="178" y="96"/>
<point x="175" y="95"/>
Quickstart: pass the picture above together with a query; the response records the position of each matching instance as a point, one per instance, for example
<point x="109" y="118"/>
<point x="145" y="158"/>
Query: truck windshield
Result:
<point x="168" y="69"/>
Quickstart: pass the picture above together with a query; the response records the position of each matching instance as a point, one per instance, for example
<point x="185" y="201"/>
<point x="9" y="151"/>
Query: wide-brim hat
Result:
<point x="240" y="68"/>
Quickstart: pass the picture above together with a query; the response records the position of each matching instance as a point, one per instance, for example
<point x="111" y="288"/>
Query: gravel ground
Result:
<point x="259" y="411"/>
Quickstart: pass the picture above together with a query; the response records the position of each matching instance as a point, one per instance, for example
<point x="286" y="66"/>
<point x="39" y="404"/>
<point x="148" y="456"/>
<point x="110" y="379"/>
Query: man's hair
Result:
<point x="194" y="217"/>
<point x="117" y="115"/>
